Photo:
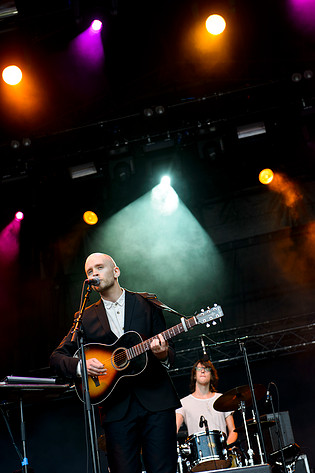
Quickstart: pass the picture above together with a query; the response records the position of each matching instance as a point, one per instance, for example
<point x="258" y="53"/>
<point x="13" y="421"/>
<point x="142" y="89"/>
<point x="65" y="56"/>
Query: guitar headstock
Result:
<point x="211" y="314"/>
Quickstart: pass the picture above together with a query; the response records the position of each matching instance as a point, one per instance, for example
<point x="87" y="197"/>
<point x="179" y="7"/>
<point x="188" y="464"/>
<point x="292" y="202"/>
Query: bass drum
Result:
<point x="208" y="451"/>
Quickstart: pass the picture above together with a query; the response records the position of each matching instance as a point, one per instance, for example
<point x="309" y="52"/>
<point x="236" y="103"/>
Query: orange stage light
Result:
<point x="266" y="176"/>
<point x="90" y="217"/>
<point x="12" y="75"/>
<point x="215" y="24"/>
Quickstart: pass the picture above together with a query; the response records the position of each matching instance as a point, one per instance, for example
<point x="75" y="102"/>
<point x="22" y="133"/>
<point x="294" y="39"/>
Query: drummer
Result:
<point x="198" y="406"/>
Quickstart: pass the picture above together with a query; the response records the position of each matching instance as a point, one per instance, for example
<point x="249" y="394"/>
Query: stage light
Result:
<point x="308" y="74"/>
<point x="148" y="112"/>
<point x="82" y="170"/>
<point x="266" y="176"/>
<point x="19" y="215"/>
<point x="246" y="131"/>
<point x="296" y="77"/>
<point x="165" y="181"/>
<point x="96" y="25"/>
<point x="12" y="75"/>
<point x="215" y="24"/>
<point x="164" y="199"/>
<point x="26" y="142"/>
<point x="90" y="217"/>
<point x="15" y="144"/>
<point x="8" y="9"/>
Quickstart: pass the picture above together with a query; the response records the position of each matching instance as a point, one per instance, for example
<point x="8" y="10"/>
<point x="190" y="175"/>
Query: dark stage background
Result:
<point x="156" y="101"/>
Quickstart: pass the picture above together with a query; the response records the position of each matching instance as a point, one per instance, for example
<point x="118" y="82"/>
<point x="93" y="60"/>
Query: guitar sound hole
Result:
<point x="119" y="359"/>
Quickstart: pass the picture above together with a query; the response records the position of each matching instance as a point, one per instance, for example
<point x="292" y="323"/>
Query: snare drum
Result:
<point x="208" y="452"/>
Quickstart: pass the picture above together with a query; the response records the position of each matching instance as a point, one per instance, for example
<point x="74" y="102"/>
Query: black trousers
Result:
<point x="142" y="437"/>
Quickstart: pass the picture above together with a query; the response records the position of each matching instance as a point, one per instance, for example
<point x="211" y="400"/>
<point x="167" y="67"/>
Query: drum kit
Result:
<point x="208" y="450"/>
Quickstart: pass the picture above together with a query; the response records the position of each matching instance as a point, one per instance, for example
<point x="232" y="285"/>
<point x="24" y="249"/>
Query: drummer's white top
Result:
<point x="192" y="409"/>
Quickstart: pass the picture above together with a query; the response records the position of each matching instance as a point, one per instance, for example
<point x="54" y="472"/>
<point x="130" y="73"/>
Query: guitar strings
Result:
<point x="122" y="356"/>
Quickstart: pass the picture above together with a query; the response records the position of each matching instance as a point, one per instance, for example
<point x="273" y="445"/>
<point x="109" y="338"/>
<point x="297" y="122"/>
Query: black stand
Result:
<point x="85" y="385"/>
<point x="278" y="432"/>
<point x="23" y="438"/>
<point x="250" y="382"/>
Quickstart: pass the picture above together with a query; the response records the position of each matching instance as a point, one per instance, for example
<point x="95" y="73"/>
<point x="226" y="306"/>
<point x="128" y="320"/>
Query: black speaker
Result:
<point x="280" y="434"/>
<point x="301" y="465"/>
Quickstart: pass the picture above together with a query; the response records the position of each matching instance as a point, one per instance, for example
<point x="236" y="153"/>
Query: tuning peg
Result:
<point x="202" y="310"/>
<point x="214" y="322"/>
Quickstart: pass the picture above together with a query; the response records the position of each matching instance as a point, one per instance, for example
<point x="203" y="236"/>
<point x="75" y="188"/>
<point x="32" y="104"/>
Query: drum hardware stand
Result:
<point x="250" y="382"/>
<point x="259" y="447"/>
<point x="179" y="460"/>
<point x="257" y="439"/>
<point x="250" y="451"/>
<point x="85" y="384"/>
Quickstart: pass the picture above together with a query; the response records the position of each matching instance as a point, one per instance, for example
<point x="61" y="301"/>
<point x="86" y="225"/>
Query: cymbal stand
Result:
<point x="85" y="385"/>
<point x="250" y="451"/>
<point x="250" y="382"/>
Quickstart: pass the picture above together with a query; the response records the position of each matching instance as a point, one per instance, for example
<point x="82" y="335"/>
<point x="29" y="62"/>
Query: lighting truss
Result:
<point x="264" y="340"/>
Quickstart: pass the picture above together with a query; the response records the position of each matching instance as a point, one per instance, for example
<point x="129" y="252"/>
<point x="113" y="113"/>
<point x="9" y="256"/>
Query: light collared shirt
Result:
<point x="116" y="314"/>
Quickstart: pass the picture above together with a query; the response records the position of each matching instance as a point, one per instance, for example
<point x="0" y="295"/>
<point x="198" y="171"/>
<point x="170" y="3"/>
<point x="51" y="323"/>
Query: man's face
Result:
<point x="203" y="374"/>
<point x="103" y="267"/>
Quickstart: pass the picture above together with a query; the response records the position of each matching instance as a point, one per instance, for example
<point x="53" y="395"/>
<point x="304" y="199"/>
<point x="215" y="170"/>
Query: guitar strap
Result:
<point x="153" y="298"/>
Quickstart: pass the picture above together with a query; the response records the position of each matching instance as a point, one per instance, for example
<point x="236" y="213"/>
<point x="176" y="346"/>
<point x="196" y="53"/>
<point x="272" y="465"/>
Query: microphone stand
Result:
<point x="250" y="382"/>
<point x="85" y="383"/>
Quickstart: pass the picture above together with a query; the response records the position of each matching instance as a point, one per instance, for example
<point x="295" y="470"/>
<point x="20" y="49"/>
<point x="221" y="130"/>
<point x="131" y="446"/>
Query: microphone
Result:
<point x="202" y="421"/>
<point x="93" y="281"/>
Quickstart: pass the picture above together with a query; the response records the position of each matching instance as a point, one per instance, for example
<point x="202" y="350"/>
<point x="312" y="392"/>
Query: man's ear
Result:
<point x="116" y="272"/>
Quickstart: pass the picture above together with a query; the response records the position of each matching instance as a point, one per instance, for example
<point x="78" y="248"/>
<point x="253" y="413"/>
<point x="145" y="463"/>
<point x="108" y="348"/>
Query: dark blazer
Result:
<point x="153" y="387"/>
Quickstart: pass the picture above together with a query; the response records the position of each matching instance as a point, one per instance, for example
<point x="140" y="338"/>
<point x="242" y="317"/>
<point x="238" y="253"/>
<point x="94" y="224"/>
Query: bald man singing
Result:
<point x="139" y="414"/>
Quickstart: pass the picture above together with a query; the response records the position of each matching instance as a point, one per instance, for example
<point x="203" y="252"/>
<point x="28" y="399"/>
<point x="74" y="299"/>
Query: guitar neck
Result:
<point x="167" y="334"/>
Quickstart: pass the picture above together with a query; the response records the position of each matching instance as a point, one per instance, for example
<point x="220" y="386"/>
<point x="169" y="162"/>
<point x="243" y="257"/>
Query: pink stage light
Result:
<point x="19" y="215"/>
<point x="9" y="243"/>
<point x="96" y="25"/>
<point x="303" y="15"/>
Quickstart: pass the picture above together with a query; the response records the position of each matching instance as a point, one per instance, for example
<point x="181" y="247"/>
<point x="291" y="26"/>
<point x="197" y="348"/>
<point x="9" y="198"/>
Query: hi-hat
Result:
<point x="231" y="400"/>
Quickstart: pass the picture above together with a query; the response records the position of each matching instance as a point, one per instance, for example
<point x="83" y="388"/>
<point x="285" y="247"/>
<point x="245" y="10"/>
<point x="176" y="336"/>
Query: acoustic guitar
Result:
<point x="128" y="357"/>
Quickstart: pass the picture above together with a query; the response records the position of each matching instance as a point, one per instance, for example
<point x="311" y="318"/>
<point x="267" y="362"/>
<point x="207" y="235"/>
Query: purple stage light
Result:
<point x="96" y="25"/>
<point x="19" y="215"/>
<point x="302" y="14"/>
<point x="9" y="243"/>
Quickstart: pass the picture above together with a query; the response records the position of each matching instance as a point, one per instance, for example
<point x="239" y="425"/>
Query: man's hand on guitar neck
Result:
<point x="159" y="347"/>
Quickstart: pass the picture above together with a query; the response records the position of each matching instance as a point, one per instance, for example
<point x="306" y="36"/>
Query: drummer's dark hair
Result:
<point x="214" y="378"/>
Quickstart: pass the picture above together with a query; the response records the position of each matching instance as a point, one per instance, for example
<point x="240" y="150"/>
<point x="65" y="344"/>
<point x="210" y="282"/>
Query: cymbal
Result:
<point x="252" y="426"/>
<point x="230" y="401"/>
